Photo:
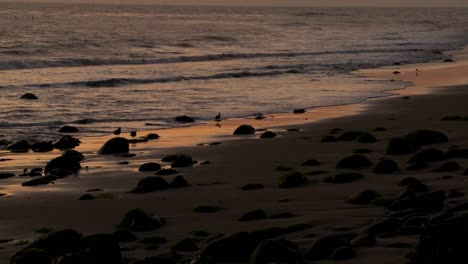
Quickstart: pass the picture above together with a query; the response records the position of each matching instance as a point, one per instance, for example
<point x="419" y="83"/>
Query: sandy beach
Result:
<point x="437" y="90"/>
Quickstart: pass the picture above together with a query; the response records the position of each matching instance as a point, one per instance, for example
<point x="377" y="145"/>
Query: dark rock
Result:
<point x="252" y="186"/>
<point x="457" y="153"/>
<point x="426" y="137"/>
<point x="151" y="166"/>
<point x="178" y="182"/>
<point x="401" y="146"/>
<point x="299" y="111"/>
<point x="138" y="220"/>
<point x="101" y="248"/>
<point x="350" y="135"/>
<point x="416" y="220"/>
<point x="354" y="162"/>
<point x="365" y="137"/>
<point x="151" y="137"/>
<point x="449" y="60"/>
<point x="165" y="172"/>
<point x="345" y="252"/>
<point x="6" y="175"/>
<point x="380" y="129"/>
<point x="244" y="130"/>
<point x="184" y="119"/>
<point x="170" y="158"/>
<point x="63" y="162"/>
<point x="364" y="197"/>
<point x="455" y="193"/>
<point x="40" y="181"/>
<point x="68" y="129"/>
<point x="388" y="225"/>
<point x="329" y="139"/>
<point x="67" y="142"/>
<point x="182" y="161"/>
<point x="324" y="247"/>
<point x="427" y="155"/>
<point x="151" y="184"/>
<point x="268" y="134"/>
<point x="117" y="145"/>
<point x="276" y="251"/>
<point x="311" y="163"/>
<point x="386" y="166"/>
<point x="425" y="202"/>
<point x="206" y="209"/>
<point x="60" y="173"/>
<point x="29" y="96"/>
<point x="443" y="241"/>
<point x="253" y="215"/>
<point x="237" y="247"/>
<point x="345" y="177"/>
<point x="417" y="166"/>
<point x="411" y="230"/>
<point x="42" y="146"/>
<point x="32" y="256"/>
<point x="87" y="197"/>
<point x="20" y="146"/>
<point x="448" y="166"/>
<point x="291" y="180"/>
<point x="57" y="243"/>
<point x="73" y="155"/>
<point x="364" y="240"/>
<point x="185" y="245"/>
<point x="124" y="236"/>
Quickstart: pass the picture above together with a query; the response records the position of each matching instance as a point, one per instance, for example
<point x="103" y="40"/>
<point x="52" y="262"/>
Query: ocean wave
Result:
<point x="70" y="62"/>
<point x="113" y="82"/>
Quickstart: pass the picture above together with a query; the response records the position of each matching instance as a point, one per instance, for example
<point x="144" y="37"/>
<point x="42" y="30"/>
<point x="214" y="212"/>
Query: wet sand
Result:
<point x="241" y="160"/>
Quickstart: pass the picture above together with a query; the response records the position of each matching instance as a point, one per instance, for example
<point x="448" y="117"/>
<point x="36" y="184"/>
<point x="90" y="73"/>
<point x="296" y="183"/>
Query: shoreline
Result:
<point x="238" y="162"/>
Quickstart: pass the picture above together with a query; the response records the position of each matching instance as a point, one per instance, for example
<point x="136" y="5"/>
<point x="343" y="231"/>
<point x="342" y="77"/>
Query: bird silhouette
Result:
<point x="117" y="131"/>
<point x="218" y="117"/>
<point x="133" y="134"/>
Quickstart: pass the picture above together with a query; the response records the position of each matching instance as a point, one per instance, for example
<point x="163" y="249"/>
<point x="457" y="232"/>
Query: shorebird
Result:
<point x="117" y="131"/>
<point x="417" y="72"/>
<point x="218" y="117"/>
<point x="133" y="134"/>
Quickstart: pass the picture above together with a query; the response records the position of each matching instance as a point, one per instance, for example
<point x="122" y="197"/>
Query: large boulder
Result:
<point x="443" y="241"/>
<point x="276" y="251"/>
<point x="291" y="180"/>
<point x="184" y="119"/>
<point x="244" y="130"/>
<point x="117" y="145"/>
<point x="63" y="162"/>
<point x="101" y="249"/>
<point x="68" y="129"/>
<point x="178" y="182"/>
<point x="32" y="256"/>
<point x="386" y="166"/>
<point x="151" y="184"/>
<point x="233" y="248"/>
<point x="401" y="146"/>
<point x="57" y="243"/>
<point x="150" y="166"/>
<point x="182" y="160"/>
<point x="364" y="197"/>
<point x="354" y="162"/>
<point x="45" y="146"/>
<point x="40" y="181"/>
<point x="67" y="142"/>
<point x="20" y="146"/>
<point x="457" y="153"/>
<point x="6" y="175"/>
<point x="426" y="137"/>
<point x="29" y="96"/>
<point x="427" y="155"/>
<point x="138" y="220"/>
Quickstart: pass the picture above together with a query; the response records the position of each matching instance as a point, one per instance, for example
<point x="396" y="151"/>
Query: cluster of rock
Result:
<point x="60" y="167"/>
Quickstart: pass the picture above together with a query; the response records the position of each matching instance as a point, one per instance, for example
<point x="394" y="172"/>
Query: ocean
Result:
<point x="99" y="67"/>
